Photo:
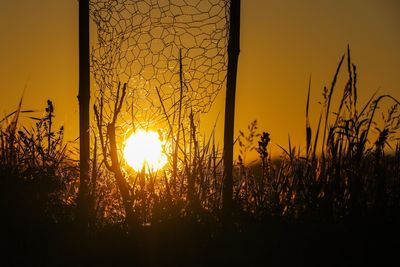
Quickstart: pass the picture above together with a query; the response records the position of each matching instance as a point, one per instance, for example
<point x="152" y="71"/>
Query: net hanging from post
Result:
<point x="140" y="41"/>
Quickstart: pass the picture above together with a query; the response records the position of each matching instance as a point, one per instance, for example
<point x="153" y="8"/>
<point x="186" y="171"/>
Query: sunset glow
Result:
<point x="144" y="148"/>
<point x="200" y="132"/>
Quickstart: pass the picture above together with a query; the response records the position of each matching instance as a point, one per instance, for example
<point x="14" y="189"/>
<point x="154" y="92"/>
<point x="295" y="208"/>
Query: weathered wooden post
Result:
<point x="84" y="98"/>
<point x="233" y="57"/>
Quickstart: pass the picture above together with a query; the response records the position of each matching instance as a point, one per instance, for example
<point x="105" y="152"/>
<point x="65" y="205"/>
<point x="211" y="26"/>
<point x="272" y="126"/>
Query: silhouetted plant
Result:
<point x="38" y="176"/>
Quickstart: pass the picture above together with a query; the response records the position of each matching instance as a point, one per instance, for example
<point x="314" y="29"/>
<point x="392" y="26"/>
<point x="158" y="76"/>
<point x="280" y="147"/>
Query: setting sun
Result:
<point x="144" y="148"/>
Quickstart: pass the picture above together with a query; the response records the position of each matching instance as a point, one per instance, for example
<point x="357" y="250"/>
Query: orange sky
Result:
<point x="283" y="43"/>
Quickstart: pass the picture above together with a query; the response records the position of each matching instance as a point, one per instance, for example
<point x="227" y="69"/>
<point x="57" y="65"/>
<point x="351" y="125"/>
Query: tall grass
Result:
<point x="344" y="173"/>
<point x="37" y="176"/>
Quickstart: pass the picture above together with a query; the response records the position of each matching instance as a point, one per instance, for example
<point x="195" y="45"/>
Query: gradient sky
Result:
<point x="282" y="44"/>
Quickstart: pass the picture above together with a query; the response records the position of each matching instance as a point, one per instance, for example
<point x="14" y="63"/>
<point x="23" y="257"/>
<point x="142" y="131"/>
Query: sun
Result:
<point x="144" y="148"/>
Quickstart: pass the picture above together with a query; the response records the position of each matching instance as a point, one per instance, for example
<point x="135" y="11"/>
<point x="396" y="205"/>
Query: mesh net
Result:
<point x="153" y="45"/>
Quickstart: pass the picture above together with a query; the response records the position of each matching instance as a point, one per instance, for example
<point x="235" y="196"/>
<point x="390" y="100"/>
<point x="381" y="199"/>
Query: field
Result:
<point x="337" y="201"/>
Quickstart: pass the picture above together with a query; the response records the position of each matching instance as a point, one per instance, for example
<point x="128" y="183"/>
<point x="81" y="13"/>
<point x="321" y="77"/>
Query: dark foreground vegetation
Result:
<point x="337" y="202"/>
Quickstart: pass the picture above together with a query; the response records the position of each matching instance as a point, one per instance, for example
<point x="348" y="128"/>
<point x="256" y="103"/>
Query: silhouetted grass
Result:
<point x="337" y="201"/>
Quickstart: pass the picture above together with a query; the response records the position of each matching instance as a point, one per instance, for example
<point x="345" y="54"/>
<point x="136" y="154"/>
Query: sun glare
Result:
<point x="144" y="148"/>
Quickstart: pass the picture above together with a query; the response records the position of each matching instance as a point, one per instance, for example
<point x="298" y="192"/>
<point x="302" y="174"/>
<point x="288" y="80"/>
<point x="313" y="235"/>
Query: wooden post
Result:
<point x="84" y="98"/>
<point x="233" y="57"/>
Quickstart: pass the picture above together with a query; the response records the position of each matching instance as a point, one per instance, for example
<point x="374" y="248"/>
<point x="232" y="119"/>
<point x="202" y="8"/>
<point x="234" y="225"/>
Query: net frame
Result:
<point x="171" y="53"/>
